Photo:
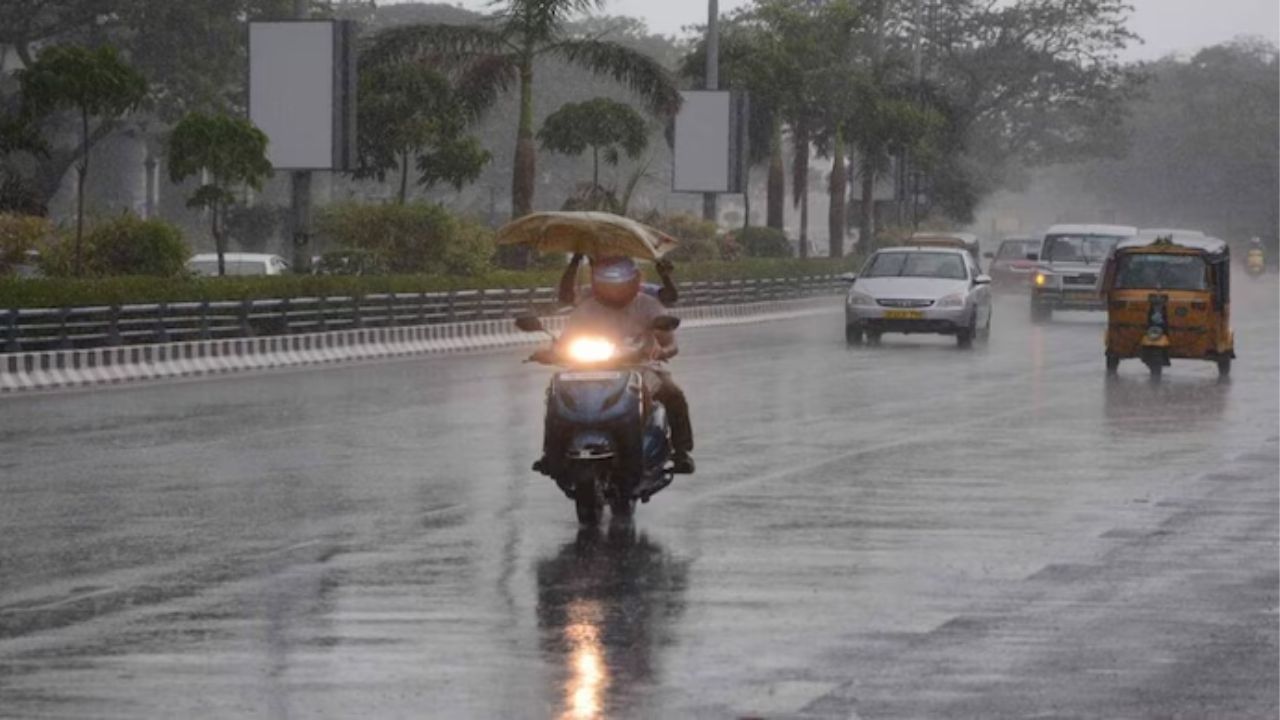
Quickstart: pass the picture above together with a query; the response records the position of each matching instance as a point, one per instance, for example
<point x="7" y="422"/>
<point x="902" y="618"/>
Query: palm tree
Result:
<point x="503" y="51"/>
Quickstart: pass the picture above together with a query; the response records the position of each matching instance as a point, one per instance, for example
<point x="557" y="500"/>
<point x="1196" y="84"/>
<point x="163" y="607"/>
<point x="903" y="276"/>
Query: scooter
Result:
<point x="1255" y="263"/>
<point x="616" y="439"/>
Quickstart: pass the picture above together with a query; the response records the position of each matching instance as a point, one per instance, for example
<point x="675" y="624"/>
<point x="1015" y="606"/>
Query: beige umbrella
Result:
<point x="594" y="234"/>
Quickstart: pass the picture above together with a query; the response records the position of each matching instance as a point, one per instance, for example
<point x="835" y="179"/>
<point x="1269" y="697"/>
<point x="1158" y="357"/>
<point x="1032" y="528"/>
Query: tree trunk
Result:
<point x="595" y="169"/>
<point x="775" y="202"/>
<point x="218" y="244"/>
<point x="523" y="177"/>
<point x="836" y="221"/>
<point x="404" y="176"/>
<point x="80" y="183"/>
<point x="867" y="226"/>
<point x="800" y="178"/>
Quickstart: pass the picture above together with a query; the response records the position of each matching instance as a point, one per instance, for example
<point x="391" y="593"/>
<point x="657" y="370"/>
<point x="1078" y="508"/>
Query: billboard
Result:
<point x="710" y="142"/>
<point x="302" y="92"/>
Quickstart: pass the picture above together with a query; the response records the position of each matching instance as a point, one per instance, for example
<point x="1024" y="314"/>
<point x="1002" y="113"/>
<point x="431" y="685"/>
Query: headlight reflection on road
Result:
<point x="589" y="676"/>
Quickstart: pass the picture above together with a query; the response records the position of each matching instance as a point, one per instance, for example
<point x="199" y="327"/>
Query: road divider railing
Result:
<point x="54" y="369"/>
<point x="101" y="326"/>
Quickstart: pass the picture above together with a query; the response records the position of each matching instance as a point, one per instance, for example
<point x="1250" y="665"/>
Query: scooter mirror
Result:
<point x="530" y="323"/>
<point x="666" y="323"/>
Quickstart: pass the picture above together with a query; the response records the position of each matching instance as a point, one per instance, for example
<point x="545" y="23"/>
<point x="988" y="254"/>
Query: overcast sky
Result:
<point x="1166" y="25"/>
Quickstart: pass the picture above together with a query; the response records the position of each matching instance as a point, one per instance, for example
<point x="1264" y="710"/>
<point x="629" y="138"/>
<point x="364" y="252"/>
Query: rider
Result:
<point x="617" y="307"/>
<point x="666" y="292"/>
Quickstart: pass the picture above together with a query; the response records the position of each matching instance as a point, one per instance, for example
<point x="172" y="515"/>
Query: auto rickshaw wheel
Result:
<point x="1113" y="364"/>
<point x="1224" y="366"/>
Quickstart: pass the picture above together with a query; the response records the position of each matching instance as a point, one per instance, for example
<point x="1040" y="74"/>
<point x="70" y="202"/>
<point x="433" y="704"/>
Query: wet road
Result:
<point x="908" y="531"/>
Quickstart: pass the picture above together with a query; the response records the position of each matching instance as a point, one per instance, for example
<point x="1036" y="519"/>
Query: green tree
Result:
<point x="599" y="125"/>
<point x="411" y="113"/>
<point x="95" y="84"/>
<point x="503" y="52"/>
<point x="226" y="152"/>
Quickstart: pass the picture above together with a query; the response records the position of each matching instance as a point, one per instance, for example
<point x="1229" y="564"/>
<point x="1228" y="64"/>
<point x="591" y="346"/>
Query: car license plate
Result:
<point x="903" y="314"/>
<point x="1082" y="297"/>
<point x="589" y="376"/>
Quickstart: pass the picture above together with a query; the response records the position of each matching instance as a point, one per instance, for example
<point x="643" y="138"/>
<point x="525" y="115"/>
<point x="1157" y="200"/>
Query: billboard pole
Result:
<point x="713" y="83"/>
<point x="301" y="195"/>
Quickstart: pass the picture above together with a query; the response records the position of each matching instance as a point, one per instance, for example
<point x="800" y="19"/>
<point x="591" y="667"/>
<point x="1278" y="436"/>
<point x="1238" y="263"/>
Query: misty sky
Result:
<point x="1166" y="25"/>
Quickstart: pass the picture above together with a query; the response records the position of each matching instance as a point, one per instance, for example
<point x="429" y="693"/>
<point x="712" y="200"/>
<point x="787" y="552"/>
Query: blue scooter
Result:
<point x="614" y="437"/>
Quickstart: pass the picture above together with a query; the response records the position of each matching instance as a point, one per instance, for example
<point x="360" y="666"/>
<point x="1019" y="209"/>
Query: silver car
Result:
<point x="918" y="290"/>
<point x="1071" y="262"/>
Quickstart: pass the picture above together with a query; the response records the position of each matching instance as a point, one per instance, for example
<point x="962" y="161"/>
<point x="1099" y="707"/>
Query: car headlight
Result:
<point x="860" y="299"/>
<point x="952" y="300"/>
<point x="591" y="350"/>
<point x="1041" y="279"/>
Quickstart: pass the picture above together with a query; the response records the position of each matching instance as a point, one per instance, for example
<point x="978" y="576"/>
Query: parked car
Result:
<point x="1069" y="267"/>
<point x="919" y="290"/>
<point x="238" y="263"/>
<point x="1009" y="267"/>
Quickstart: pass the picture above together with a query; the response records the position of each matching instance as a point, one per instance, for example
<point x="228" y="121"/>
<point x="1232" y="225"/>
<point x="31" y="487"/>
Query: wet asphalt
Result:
<point x="903" y="531"/>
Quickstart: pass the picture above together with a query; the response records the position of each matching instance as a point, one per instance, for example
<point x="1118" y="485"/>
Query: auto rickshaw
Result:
<point x="1169" y="299"/>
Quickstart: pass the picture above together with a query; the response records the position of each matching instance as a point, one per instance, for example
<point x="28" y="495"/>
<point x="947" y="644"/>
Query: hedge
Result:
<point x="66" y="292"/>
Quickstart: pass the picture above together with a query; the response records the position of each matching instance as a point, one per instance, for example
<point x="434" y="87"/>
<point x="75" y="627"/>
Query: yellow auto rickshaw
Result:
<point x="1169" y="299"/>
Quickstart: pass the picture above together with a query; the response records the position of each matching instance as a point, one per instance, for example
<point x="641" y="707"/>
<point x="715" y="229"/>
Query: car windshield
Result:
<point x="1016" y="249"/>
<point x="1160" y="272"/>
<point x="1078" y="248"/>
<point x="917" y="264"/>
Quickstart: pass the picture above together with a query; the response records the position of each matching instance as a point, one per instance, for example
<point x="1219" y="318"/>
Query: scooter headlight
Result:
<point x="1155" y="332"/>
<point x="591" y="350"/>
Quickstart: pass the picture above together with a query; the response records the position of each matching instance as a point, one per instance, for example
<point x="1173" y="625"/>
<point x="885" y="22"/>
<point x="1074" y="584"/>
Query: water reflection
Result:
<point x="607" y="602"/>
<point x="1139" y="405"/>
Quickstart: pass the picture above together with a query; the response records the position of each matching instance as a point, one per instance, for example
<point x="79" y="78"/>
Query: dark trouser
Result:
<point x="672" y="398"/>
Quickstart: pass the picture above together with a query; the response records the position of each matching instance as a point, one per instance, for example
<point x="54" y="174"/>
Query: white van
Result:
<point x="238" y="263"/>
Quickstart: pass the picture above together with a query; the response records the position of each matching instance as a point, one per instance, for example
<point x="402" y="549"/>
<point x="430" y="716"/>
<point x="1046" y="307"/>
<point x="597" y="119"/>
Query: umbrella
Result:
<point x="594" y="234"/>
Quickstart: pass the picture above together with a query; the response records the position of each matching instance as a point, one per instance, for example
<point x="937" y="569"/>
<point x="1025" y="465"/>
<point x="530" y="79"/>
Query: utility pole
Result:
<point x="713" y="83"/>
<point x="301" y="195"/>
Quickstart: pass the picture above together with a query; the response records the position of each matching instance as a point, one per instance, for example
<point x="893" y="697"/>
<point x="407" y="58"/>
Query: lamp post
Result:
<point x="301" y="195"/>
<point x="713" y="83"/>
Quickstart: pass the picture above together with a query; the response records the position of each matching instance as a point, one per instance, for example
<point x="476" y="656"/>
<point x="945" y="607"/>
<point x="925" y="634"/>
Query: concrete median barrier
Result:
<point x="57" y="369"/>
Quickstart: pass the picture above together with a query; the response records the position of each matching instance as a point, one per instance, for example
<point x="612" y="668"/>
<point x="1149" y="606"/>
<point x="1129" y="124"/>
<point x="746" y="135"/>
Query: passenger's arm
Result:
<point x="567" y="293"/>
<point x="667" y="347"/>
<point x="668" y="295"/>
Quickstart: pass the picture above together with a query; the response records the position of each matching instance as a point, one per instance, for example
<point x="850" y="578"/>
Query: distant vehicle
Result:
<point x="1169" y="298"/>
<point x="1009" y="268"/>
<point x="238" y="263"/>
<point x="1255" y="262"/>
<point x="1069" y="270"/>
<point x="29" y="267"/>
<point x="919" y="290"/>
<point x="960" y="240"/>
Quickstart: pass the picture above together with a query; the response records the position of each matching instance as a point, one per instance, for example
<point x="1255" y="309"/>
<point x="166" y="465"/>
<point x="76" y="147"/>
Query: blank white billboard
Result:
<point x="704" y="143"/>
<point x="297" y="92"/>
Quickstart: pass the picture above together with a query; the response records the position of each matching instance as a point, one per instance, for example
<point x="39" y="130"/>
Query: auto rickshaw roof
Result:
<point x="1206" y="245"/>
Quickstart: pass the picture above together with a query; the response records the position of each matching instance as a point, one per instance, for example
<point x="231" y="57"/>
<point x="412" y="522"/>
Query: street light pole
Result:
<point x="301" y="195"/>
<point x="713" y="83"/>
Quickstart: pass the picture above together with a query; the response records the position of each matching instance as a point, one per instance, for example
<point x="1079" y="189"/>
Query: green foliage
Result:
<point x="599" y="125"/>
<point x="230" y="149"/>
<point x="20" y="234"/>
<point x="409" y="111"/>
<point x="95" y="82"/>
<point x="697" y="237"/>
<point x="410" y="238"/>
<point x="253" y="227"/>
<point x="125" y="245"/>
<point x="68" y="292"/>
<point x="764" y="242"/>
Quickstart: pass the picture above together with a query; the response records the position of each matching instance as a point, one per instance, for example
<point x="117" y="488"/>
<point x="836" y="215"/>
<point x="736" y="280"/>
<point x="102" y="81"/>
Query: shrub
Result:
<point x="764" y="242"/>
<point x="412" y="238"/>
<point x="253" y="227"/>
<point x="125" y="245"/>
<point x="697" y="237"/>
<point x="20" y="234"/>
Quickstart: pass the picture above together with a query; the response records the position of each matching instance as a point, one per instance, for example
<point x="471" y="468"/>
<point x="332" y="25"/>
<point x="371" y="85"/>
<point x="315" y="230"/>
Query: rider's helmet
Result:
<point x="615" y="281"/>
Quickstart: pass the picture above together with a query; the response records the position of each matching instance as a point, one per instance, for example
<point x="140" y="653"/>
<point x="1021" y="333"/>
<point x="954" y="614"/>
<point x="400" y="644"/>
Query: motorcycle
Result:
<point x="617" y="442"/>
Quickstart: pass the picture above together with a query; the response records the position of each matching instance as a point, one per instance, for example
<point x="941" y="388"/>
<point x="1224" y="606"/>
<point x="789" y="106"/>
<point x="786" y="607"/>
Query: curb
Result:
<point x="59" y="369"/>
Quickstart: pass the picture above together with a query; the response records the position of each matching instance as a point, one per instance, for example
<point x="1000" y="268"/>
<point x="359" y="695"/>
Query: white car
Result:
<point x="919" y="290"/>
<point x="1071" y="261"/>
<point x="238" y="263"/>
